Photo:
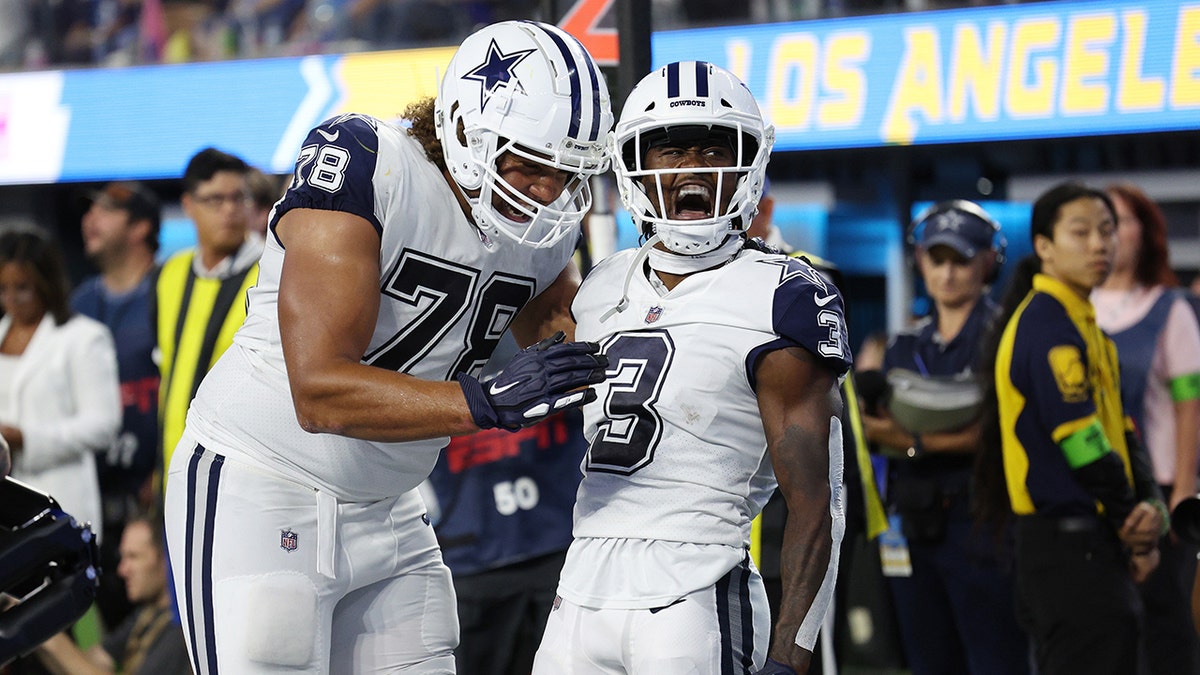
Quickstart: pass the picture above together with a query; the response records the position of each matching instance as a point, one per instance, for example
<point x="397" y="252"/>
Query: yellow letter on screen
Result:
<point x="1089" y="38"/>
<point x="975" y="71"/>
<point x="1034" y="99"/>
<point x="918" y="86"/>
<point x="1134" y="92"/>
<point x="737" y="59"/>
<point x="843" y="76"/>
<point x="793" y="68"/>
<point x="1185" y="73"/>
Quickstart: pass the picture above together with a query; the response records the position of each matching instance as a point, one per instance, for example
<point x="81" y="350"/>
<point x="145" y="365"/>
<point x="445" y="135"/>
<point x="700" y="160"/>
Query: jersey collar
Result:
<point x="1079" y="308"/>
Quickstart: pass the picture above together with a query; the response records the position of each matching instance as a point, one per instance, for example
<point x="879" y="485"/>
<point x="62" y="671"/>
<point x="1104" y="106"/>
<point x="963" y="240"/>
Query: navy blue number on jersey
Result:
<point x="638" y="365"/>
<point x="446" y="290"/>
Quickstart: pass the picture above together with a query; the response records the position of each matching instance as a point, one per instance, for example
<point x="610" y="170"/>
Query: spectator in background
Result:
<point x="956" y="605"/>
<point x="59" y="398"/>
<point x="761" y="224"/>
<point x="1158" y="345"/>
<point x="200" y="295"/>
<point x="1055" y="452"/>
<point x="120" y="236"/>
<point x="149" y="641"/>
<point x="264" y="192"/>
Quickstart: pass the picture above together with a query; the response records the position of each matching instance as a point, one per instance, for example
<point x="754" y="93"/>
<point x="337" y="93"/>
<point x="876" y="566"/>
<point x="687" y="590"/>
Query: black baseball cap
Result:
<point x="137" y="199"/>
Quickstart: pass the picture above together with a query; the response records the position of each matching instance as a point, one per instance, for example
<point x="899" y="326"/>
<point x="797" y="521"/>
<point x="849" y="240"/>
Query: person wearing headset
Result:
<point x="954" y="597"/>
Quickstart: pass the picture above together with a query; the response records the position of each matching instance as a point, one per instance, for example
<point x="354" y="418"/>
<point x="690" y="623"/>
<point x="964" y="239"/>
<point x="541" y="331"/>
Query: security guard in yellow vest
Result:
<point x="201" y="292"/>
<point x="1088" y="510"/>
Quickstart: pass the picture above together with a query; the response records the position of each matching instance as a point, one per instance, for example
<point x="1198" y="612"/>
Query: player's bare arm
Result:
<point x="797" y="397"/>
<point x="550" y="311"/>
<point x="328" y="302"/>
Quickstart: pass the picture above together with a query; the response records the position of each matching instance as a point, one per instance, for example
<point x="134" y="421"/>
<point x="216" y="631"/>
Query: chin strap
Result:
<point x="676" y="263"/>
<point x="634" y="267"/>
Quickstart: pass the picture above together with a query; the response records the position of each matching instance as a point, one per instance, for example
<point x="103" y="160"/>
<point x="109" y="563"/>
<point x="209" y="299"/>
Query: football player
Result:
<point x="394" y="263"/>
<point x="722" y="380"/>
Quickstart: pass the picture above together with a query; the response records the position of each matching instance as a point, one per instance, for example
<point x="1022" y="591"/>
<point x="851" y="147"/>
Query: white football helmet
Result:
<point x="530" y="89"/>
<point x="691" y="97"/>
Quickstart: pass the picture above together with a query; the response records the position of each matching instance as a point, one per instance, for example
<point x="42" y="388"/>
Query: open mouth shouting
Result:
<point x="693" y="201"/>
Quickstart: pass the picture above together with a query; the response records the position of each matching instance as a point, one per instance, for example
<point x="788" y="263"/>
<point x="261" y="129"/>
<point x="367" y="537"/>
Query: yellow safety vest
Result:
<point x="197" y="318"/>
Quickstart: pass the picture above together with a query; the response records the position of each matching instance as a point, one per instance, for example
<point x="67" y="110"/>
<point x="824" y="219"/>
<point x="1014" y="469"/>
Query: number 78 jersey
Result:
<point x="678" y="413"/>
<point x="446" y="297"/>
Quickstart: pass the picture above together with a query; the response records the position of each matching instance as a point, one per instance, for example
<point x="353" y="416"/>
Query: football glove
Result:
<point x="760" y="244"/>
<point x="539" y="380"/>
<point x="773" y="667"/>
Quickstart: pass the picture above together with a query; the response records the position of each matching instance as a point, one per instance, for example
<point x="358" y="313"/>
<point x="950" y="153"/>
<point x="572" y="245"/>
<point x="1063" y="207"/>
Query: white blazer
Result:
<point x="66" y="400"/>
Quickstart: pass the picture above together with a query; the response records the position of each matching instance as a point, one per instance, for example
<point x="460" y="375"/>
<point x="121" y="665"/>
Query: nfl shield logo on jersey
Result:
<point x="653" y="314"/>
<point x="288" y="540"/>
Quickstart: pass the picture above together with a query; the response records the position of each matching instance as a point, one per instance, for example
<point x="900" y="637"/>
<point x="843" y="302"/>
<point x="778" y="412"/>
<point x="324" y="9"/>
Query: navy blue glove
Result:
<point x="539" y="380"/>
<point x="773" y="667"/>
<point x="760" y="244"/>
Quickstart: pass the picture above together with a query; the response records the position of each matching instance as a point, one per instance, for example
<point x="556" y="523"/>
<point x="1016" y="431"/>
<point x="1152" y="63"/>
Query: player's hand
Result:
<point x="773" y="667"/>
<point x="540" y="380"/>
<point x="760" y="244"/>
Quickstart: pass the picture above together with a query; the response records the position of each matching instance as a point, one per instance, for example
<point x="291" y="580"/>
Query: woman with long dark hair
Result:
<point x="1088" y="513"/>
<point x="59" y="397"/>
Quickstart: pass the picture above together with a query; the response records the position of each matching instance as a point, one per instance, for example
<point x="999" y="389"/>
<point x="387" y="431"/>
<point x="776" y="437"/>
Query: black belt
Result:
<point x="1067" y="524"/>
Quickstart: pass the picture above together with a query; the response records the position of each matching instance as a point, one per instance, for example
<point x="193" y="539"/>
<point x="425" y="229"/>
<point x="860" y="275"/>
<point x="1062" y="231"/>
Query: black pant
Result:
<point x="1171" y="644"/>
<point x="502" y="614"/>
<point x="1075" y="597"/>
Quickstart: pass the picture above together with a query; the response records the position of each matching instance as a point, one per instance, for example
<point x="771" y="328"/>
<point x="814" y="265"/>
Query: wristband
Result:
<point x="1161" y="507"/>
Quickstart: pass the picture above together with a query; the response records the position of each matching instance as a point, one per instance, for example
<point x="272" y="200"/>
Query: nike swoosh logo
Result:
<point x="328" y="136"/>
<point x="821" y="302"/>
<point x="500" y="390"/>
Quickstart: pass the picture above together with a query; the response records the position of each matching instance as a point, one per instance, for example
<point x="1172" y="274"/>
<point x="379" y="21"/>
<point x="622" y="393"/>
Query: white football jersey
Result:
<point x="446" y="298"/>
<point x="677" y="450"/>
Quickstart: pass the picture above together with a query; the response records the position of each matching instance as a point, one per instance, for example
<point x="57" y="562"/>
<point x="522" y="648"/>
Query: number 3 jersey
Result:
<point x="677" y="465"/>
<point x="445" y="298"/>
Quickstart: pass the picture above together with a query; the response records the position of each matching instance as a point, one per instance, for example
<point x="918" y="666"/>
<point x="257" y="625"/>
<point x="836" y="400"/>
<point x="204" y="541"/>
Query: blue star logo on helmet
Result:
<point x="496" y="71"/>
